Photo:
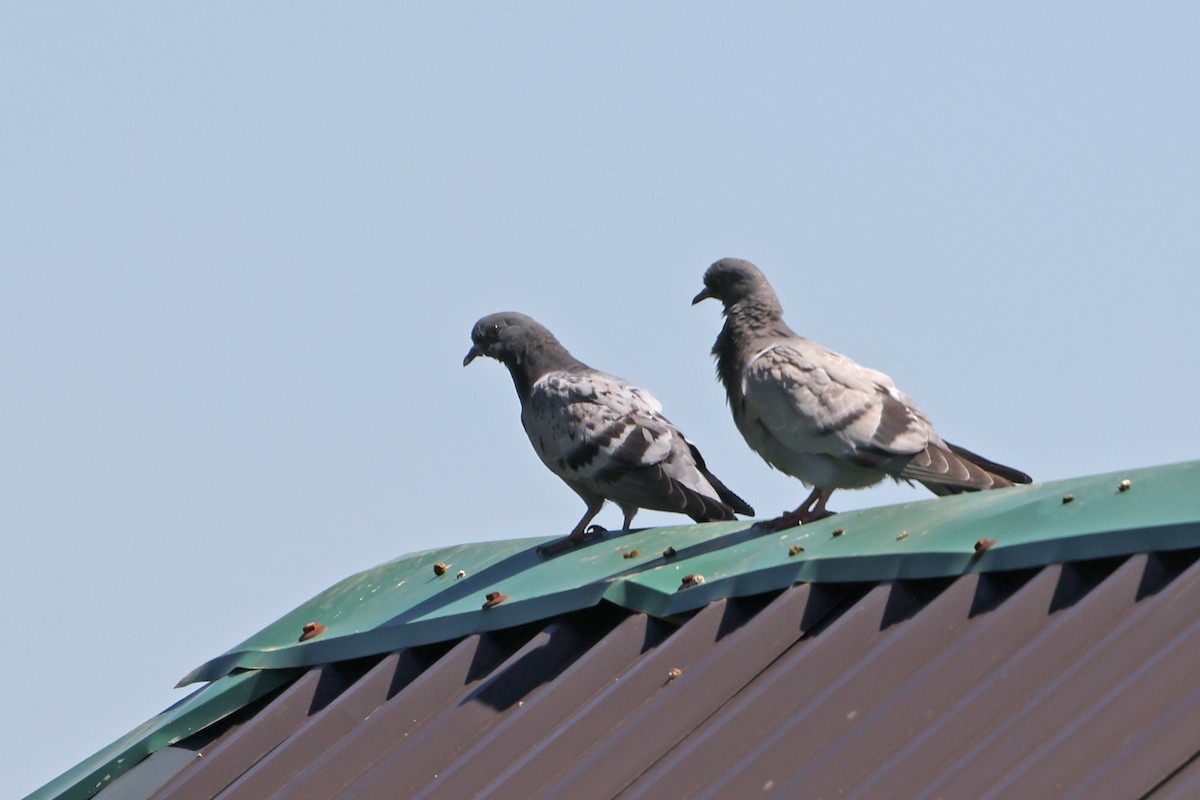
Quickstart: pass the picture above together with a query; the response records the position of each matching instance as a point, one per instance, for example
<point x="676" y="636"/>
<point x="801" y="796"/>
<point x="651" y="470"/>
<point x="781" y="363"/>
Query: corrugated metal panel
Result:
<point x="225" y="762"/>
<point x="1075" y="680"/>
<point x="701" y="691"/>
<point x="199" y="711"/>
<point x="536" y="720"/>
<point x="433" y="693"/>
<point x="1181" y="785"/>
<point x="336" y="721"/>
<point x="1010" y="703"/>
<point x="589" y="720"/>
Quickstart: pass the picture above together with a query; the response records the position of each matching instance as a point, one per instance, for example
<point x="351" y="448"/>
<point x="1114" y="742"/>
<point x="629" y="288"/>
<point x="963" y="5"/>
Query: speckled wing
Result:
<point x="808" y="400"/>
<point x="603" y="434"/>
<point x="583" y="423"/>
<point x="813" y="400"/>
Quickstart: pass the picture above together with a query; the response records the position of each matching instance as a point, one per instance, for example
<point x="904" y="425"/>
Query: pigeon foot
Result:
<point x="593" y="534"/>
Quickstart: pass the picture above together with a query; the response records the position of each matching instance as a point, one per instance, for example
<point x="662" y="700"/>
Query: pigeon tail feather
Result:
<point x="730" y="499"/>
<point x="1008" y="473"/>
<point x="955" y="470"/>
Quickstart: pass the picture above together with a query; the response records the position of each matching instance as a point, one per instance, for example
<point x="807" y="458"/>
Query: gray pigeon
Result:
<point x="607" y="439"/>
<point x="819" y="416"/>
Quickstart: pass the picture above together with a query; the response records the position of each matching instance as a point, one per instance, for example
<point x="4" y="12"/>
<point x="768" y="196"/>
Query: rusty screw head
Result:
<point x="691" y="580"/>
<point x="631" y="554"/>
<point x="440" y="568"/>
<point x="1125" y="485"/>
<point x="984" y="545"/>
<point x="312" y="629"/>
<point x="795" y="550"/>
<point x="839" y="531"/>
<point x="494" y="599"/>
<point x="669" y="552"/>
<point x="674" y="673"/>
<point x="1068" y="498"/>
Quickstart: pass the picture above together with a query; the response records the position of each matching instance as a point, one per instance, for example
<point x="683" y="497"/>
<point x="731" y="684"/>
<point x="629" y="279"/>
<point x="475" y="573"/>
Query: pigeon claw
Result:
<point x="780" y="523"/>
<point x="593" y="534"/>
<point x="792" y="519"/>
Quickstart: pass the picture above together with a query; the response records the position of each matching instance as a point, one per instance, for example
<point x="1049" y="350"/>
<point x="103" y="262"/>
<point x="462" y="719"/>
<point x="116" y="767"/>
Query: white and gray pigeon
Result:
<point x="819" y="416"/>
<point x="606" y="438"/>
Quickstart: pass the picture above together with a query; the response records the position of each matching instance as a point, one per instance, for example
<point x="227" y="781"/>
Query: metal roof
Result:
<point x="890" y="658"/>
<point x="404" y="603"/>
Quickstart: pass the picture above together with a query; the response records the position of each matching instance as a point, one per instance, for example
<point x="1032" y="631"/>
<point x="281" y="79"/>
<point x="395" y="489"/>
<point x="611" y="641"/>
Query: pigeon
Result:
<point x="818" y="415"/>
<point x="606" y="438"/>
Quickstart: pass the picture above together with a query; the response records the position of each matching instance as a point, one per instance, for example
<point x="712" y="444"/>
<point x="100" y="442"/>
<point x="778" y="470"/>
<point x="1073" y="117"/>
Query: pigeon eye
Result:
<point x="493" y="332"/>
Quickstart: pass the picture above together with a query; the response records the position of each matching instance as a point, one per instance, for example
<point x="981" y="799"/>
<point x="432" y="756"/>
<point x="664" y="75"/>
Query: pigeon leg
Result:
<point x="630" y="513"/>
<point x="818" y="510"/>
<point x="580" y="530"/>
<point x="575" y="537"/>
<point x="811" y="510"/>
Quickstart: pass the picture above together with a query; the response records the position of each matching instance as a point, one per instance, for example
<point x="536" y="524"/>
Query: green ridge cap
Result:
<point x="404" y="603"/>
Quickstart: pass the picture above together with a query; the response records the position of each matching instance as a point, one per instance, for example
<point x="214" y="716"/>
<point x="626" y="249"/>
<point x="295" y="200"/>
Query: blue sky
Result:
<point x="243" y="249"/>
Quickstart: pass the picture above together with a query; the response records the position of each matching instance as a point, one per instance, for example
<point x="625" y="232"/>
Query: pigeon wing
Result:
<point x="813" y="400"/>
<point x="600" y="432"/>
<point x="583" y="423"/>
<point x="817" y="401"/>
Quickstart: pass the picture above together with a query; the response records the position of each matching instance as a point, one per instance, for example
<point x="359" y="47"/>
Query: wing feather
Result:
<point x="599" y="432"/>
<point x="814" y="400"/>
<point x="584" y="423"/>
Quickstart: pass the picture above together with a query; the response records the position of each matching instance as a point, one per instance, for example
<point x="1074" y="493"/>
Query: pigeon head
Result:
<point x="520" y="343"/>
<point x="506" y="337"/>
<point x="737" y="282"/>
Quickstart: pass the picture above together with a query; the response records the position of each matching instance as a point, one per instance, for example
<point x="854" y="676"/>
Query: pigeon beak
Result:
<point x="472" y="354"/>
<point x="705" y="294"/>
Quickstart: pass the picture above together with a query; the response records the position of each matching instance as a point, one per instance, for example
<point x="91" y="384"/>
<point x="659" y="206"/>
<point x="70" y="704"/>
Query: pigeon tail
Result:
<point x="999" y="470"/>
<point x="958" y="470"/>
<point x="737" y="504"/>
<point x="653" y="488"/>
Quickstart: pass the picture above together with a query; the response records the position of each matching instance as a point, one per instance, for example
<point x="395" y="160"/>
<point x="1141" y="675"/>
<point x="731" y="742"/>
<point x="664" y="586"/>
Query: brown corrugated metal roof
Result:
<point x="1072" y="680"/>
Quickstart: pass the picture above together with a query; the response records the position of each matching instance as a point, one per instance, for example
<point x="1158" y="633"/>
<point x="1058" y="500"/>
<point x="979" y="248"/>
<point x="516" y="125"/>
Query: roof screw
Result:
<point x="1068" y="498"/>
<point x="674" y="673"/>
<point x="691" y="580"/>
<point x="440" y="568"/>
<point x="631" y="554"/>
<point x="795" y="550"/>
<point x="838" y="531"/>
<point x="494" y="599"/>
<point x="1125" y="485"/>
<point x="312" y="629"/>
<point x="983" y="545"/>
<point x="669" y="552"/>
<point x="901" y="535"/>
<point x="462" y="573"/>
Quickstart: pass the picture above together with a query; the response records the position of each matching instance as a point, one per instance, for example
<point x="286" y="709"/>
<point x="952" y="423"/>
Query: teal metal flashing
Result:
<point x="403" y="603"/>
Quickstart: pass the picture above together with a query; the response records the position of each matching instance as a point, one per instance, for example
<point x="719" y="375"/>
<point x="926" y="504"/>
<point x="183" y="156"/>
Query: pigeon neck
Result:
<point x="755" y="318"/>
<point x="527" y="366"/>
<point x="745" y="324"/>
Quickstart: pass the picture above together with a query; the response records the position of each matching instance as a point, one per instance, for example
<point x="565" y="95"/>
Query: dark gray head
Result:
<point x="520" y="343"/>
<point x="737" y="282"/>
<point x="505" y="336"/>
